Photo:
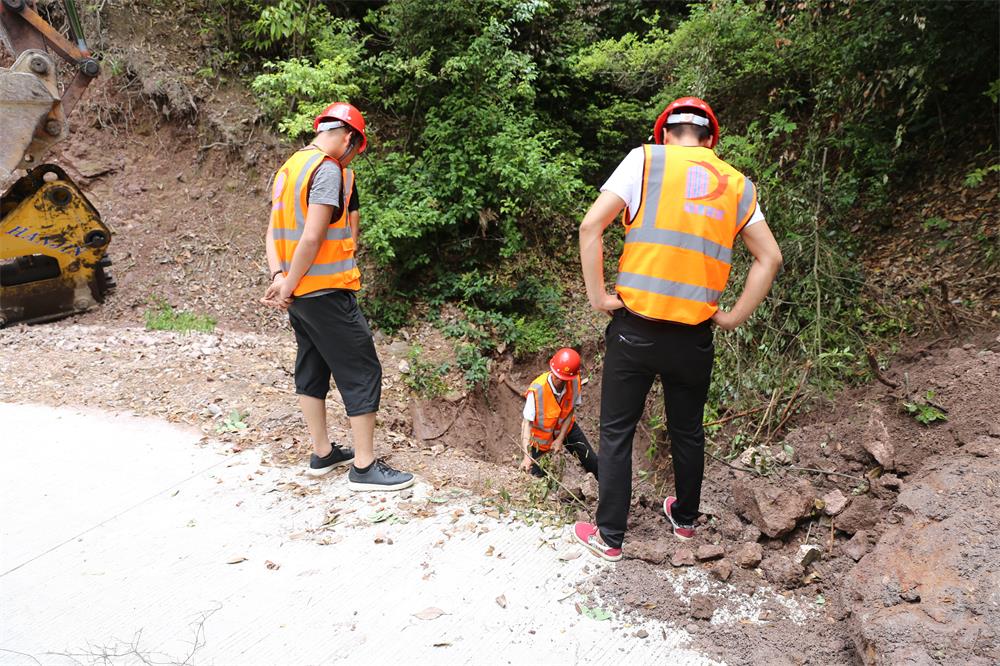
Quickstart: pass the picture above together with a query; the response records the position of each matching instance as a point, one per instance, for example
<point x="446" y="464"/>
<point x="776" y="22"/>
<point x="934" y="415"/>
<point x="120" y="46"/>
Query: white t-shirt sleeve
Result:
<point x="758" y="215"/>
<point x="626" y="181"/>
<point x="529" y="408"/>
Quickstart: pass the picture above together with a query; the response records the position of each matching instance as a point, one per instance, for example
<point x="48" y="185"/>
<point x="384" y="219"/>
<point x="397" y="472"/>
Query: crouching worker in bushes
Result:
<point x="548" y="423"/>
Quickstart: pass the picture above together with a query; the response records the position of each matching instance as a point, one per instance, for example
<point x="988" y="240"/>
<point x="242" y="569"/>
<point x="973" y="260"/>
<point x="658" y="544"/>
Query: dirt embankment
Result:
<point x="891" y="540"/>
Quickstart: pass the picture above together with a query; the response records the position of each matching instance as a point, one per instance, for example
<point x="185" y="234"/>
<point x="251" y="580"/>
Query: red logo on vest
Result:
<point x="697" y="185"/>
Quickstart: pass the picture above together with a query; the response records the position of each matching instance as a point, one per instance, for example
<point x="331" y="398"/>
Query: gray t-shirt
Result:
<point x="326" y="186"/>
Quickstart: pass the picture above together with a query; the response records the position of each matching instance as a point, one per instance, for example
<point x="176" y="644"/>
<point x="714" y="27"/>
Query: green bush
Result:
<point x="496" y="120"/>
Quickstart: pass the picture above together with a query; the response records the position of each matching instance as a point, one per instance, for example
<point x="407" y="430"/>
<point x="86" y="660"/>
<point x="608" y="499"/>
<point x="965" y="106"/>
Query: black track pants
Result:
<point x="577" y="444"/>
<point x="639" y="350"/>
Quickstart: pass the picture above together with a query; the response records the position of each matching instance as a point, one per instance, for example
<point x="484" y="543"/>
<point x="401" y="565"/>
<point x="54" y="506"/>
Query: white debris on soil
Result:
<point x="738" y="607"/>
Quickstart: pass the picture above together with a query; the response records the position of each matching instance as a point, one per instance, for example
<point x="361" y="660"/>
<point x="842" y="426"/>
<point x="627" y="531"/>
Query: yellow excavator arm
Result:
<point x="53" y="244"/>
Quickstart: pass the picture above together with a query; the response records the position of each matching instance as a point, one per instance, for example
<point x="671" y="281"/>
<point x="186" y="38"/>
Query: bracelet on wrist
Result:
<point x="275" y="274"/>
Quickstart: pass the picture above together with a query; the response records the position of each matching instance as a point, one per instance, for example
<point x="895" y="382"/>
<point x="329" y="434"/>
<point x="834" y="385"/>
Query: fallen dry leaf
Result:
<point x="489" y="552"/>
<point x="502" y="601"/>
<point x="274" y="566"/>
<point x="431" y="613"/>
<point x="567" y="555"/>
<point x="236" y="560"/>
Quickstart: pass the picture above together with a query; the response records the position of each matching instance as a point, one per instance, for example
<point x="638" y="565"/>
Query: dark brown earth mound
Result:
<point x="917" y="504"/>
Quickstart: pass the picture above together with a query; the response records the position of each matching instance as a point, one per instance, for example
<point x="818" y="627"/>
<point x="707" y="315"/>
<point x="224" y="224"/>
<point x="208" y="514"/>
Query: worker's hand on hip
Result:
<point x="608" y="303"/>
<point x="725" y="320"/>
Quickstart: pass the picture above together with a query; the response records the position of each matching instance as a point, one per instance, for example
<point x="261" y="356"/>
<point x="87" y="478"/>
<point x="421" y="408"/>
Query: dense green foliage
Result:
<point x="494" y="121"/>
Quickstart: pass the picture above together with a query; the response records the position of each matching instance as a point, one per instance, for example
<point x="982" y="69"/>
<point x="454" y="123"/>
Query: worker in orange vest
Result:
<point x="310" y="245"/>
<point x="549" y="423"/>
<point x="684" y="207"/>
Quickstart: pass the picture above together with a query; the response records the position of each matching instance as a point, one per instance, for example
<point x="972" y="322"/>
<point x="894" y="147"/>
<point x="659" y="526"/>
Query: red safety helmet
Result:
<point x="347" y="114"/>
<point x="687" y="103"/>
<point x="565" y="364"/>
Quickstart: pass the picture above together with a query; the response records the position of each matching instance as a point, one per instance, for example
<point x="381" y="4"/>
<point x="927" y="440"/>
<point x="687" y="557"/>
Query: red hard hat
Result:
<point x="565" y="364"/>
<point x="349" y="115"/>
<point x="687" y="103"/>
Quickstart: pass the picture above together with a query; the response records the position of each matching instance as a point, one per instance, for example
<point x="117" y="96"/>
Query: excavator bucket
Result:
<point x="53" y="247"/>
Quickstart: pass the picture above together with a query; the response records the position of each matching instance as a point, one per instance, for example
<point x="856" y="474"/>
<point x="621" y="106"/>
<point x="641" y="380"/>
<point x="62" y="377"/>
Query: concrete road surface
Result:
<point x="126" y="541"/>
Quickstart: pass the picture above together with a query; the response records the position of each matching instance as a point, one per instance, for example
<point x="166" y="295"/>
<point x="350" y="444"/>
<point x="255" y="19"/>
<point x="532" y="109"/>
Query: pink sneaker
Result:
<point x="682" y="532"/>
<point x="588" y="535"/>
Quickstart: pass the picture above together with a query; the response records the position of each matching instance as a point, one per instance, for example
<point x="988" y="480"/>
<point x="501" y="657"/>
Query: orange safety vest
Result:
<point x="550" y="414"/>
<point x="334" y="266"/>
<point x="679" y="247"/>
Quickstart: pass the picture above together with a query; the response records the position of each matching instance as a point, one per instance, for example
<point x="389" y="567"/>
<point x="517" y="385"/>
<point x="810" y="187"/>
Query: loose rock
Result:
<point x="702" y="607"/>
<point x="781" y="570"/>
<point x="654" y="552"/>
<point x="709" y="552"/>
<point x="722" y="569"/>
<point x="683" y="557"/>
<point x="808" y="554"/>
<point x="857" y="546"/>
<point x="774" y="508"/>
<point x="748" y="555"/>
<point x="730" y="526"/>
<point x="876" y="440"/>
<point x="862" y="514"/>
<point x="834" y="502"/>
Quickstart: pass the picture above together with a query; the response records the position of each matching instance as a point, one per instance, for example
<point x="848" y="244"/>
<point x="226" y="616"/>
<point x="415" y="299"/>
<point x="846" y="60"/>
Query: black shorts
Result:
<point x="334" y="338"/>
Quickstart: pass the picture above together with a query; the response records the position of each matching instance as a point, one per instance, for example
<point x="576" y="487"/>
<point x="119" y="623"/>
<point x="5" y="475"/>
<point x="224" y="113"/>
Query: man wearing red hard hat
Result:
<point x="684" y="208"/>
<point x="310" y="244"/>
<point x="549" y="424"/>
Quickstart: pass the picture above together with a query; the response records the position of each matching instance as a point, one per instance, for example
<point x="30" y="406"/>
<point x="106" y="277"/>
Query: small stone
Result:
<point x="781" y="570"/>
<point x="748" y="555"/>
<point x="683" y="557"/>
<point x="404" y="366"/>
<point x="808" y="554"/>
<point x="890" y="481"/>
<point x="877" y="441"/>
<point x="399" y="349"/>
<point x="751" y="533"/>
<point x="857" y="547"/>
<point x="834" y="502"/>
<point x="862" y="514"/>
<point x="709" y="552"/>
<point x="406" y="494"/>
<point x="730" y="526"/>
<point x="642" y="633"/>
<point x="702" y="607"/>
<point x="654" y="552"/>
<point x="691" y="628"/>
<point x="722" y="569"/>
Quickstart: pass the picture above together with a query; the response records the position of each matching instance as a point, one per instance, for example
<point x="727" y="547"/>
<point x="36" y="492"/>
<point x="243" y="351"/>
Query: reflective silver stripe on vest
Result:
<point x="300" y="217"/>
<point x="657" y="157"/>
<point x="663" y="287"/>
<point x="539" y="404"/>
<point x="680" y="239"/>
<point x="749" y="195"/>
<point x="332" y="268"/>
<point x="332" y="233"/>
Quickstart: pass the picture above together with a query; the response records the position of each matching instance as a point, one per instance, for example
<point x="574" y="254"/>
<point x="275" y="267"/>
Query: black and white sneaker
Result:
<point x="378" y="476"/>
<point x="338" y="456"/>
